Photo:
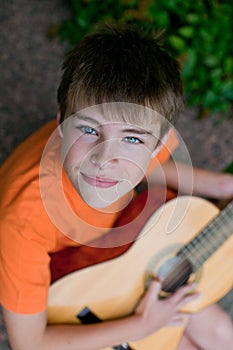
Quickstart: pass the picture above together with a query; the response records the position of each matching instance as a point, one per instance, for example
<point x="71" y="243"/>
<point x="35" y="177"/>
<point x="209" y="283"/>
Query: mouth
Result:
<point x="99" y="181"/>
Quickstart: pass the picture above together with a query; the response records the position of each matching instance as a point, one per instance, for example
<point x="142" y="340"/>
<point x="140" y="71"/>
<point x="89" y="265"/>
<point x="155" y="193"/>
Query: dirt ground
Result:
<point x="29" y="74"/>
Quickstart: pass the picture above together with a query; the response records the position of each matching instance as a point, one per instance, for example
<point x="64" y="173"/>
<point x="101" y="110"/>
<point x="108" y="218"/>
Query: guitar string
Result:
<point x="227" y="217"/>
<point x="210" y="235"/>
<point x="218" y="232"/>
<point x="191" y="250"/>
<point x="214" y="236"/>
<point x="217" y="280"/>
<point x="204" y="246"/>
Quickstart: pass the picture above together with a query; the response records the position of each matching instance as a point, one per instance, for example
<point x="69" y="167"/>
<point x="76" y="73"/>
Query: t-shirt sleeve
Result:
<point x="169" y="145"/>
<point x="24" y="270"/>
<point x="26" y="234"/>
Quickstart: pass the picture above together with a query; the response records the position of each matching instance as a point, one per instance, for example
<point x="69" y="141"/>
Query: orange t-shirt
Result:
<point x="41" y="213"/>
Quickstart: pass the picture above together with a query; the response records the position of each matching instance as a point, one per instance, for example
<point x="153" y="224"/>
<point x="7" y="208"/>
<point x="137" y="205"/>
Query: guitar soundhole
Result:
<point x="175" y="272"/>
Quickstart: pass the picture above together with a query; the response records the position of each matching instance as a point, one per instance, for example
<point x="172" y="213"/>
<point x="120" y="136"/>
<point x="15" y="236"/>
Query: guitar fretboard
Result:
<point x="210" y="239"/>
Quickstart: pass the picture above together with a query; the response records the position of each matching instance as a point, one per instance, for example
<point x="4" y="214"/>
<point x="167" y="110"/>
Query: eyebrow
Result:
<point x="137" y="131"/>
<point x="86" y="118"/>
<point x="129" y="130"/>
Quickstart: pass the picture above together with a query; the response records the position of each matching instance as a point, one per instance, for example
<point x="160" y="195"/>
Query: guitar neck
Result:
<point x="198" y="250"/>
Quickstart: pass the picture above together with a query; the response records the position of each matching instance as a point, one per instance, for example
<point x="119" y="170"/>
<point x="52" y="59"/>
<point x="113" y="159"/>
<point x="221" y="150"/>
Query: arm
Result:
<point x="31" y="331"/>
<point x="189" y="180"/>
<point x="150" y="315"/>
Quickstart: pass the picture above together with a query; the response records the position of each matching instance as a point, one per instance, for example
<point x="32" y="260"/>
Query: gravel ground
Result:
<point x="30" y="71"/>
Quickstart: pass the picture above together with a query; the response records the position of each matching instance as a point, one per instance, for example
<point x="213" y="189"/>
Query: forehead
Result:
<point x="122" y="113"/>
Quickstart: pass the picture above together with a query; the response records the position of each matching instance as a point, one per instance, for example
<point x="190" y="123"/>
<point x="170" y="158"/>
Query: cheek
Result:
<point x="72" y="148"/>
<point x="73" y="156"/>
<point x="140" y="161"/>
<point x="136" y="170"/>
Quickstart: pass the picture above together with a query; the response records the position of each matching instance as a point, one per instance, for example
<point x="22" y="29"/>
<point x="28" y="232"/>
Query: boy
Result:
<point x="118" y="95"/>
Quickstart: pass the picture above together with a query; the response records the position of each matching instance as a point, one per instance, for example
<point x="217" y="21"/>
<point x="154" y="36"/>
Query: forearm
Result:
<point x="90" y="337"/>
<point x="188" y="180"/>
<point x="174" y="175"/>
<point x="72" y="337"/>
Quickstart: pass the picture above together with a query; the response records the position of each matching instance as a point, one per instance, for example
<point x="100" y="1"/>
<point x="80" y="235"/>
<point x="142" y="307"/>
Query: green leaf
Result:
<point x="211" y="61"/>
<point x="190" y="63"/>
<point x="209" y="98"/>
<point x="177" y="43"/>
<point x="229" y="168"/>
<point x="227" y="90"/>
<point x="193" y="18"/>
<point x="228" y="65"/>
<point x="216" y="73"/>
<point x="186" y="32"/>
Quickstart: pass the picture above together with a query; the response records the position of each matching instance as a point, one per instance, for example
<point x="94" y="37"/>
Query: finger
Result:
<point x="183" y="315"/>
<point x="181" y="322"/>
<point x="182" y="292"/>
<point x="151" y="295"/>
<point x="188" y="298"/>
<point x="180" y="319"/>
<point x="154" y="289"/>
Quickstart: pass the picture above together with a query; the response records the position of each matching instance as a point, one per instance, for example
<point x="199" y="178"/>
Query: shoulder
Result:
<point x="20" y="204"/>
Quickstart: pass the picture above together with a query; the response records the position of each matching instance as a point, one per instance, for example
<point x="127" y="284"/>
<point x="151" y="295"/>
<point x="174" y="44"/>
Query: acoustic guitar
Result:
<point x="185" y="239"/>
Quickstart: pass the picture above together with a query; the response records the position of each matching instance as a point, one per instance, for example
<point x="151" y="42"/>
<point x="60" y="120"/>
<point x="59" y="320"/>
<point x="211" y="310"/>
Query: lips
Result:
<point x="99" y="181"/>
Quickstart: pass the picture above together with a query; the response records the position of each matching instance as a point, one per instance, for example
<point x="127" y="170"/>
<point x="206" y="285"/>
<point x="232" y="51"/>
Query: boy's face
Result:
<point x="105" y="159"/>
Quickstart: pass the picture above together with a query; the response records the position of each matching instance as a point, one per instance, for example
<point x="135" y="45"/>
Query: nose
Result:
<point x="105" y="154"/>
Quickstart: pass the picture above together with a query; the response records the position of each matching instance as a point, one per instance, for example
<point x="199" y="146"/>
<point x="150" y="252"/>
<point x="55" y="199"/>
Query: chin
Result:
<point x="101" y="198"/>
<point x="97" y="202"/>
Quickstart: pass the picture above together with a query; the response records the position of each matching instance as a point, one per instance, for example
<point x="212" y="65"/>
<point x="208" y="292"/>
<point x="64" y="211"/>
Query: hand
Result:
<point x="155" y="313"/>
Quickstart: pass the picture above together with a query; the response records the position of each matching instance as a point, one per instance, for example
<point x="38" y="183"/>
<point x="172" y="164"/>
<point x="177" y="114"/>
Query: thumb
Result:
<point x="154" y="288"/>
<point x="150" y="296"/>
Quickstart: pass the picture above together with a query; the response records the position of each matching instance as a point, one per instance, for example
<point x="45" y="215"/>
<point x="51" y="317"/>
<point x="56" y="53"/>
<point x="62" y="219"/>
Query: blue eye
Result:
<point x="132" y="139"/>
<point x="88" y="130"/>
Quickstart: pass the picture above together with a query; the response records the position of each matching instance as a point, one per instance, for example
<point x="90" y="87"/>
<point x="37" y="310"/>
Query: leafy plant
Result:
<point x="229" y="168"/>
<point x="87" y="13"/>
<point x="198" y="33"/>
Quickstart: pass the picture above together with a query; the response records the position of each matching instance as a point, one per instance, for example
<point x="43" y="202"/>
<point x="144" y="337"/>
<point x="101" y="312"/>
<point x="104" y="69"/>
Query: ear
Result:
<point x="58" y="123"/>
<point x="160" y="144"/>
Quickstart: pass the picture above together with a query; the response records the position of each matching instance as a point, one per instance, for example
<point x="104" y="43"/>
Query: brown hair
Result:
<point x="120" y="64"/>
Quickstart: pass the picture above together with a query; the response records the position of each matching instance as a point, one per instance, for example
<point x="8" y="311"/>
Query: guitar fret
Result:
<point x="211" y="238"/>
<point x="227" y="222"/>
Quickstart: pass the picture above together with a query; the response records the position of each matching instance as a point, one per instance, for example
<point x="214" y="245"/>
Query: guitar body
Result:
<point x="111" y="289"/>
